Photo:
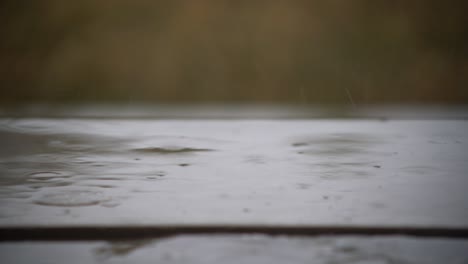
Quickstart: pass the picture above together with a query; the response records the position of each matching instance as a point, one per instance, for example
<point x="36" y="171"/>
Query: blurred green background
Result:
<point x="275" y="51"/>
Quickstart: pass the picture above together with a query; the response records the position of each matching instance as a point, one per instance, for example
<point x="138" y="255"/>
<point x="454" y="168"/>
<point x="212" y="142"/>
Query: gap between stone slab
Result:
<point x="76" y="233"/>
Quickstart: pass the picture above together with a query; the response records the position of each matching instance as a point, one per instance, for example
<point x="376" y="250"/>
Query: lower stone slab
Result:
<point x="245" y="248"/>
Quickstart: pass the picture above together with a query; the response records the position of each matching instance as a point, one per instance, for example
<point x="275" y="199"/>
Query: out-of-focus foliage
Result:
<point x="221" y="50"/>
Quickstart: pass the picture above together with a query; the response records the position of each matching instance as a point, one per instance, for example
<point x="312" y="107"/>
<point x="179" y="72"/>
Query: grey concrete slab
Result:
<point x="264" y="172"/>
<point x="256" y="249"/>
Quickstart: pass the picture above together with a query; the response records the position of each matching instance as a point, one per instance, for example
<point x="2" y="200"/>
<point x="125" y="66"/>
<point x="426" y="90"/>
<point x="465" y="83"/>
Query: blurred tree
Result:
<point x="256" y="51"/>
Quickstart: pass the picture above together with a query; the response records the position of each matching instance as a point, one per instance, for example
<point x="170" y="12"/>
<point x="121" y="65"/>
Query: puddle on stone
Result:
<point x="71" y="198"/>
<point x="337" y="165"/>
<point x="344" y="175"/>
<point x="340" y="144"/>
<point x="334" y="150"/>
<point x="303" y="186"/>
<point x="174" y="150"/>
<point x="121" y="248"/>
<point x="108" y="178"/>
<point x="48" y="175"/>
<point x="421" y="170"/>
<point x="37" y="185"/>
<point x="336" y="138"/>
<point x="30" y="144"/>
<point x="255" y="159"/>
<point x="100" y="186"/>
<point x="110" y="204"/>
<point x="160" y="173"/>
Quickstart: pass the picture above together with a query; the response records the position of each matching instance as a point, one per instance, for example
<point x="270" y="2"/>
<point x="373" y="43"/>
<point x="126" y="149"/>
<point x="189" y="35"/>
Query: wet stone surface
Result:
<point x="291" y="172"/>
<point x="256" y="249"/>
<point x="70" y="198"/>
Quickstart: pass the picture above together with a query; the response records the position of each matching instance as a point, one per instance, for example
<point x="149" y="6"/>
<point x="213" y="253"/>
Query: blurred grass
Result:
<point x="234" y="51"/>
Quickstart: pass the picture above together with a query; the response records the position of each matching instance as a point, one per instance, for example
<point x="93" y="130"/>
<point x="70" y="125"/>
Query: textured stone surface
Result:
<point x="276" y="172"/>
<point x="256" y="249"/>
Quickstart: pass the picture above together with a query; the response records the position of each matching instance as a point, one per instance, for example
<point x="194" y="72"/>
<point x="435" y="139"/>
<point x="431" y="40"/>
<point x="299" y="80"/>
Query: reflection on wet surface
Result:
<point x="41" y="160"/>
<point x="336" y="144"/>
<point x="345" y="155"/>
<point x="121" y="248"/>
<point x="153" y="172"/>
